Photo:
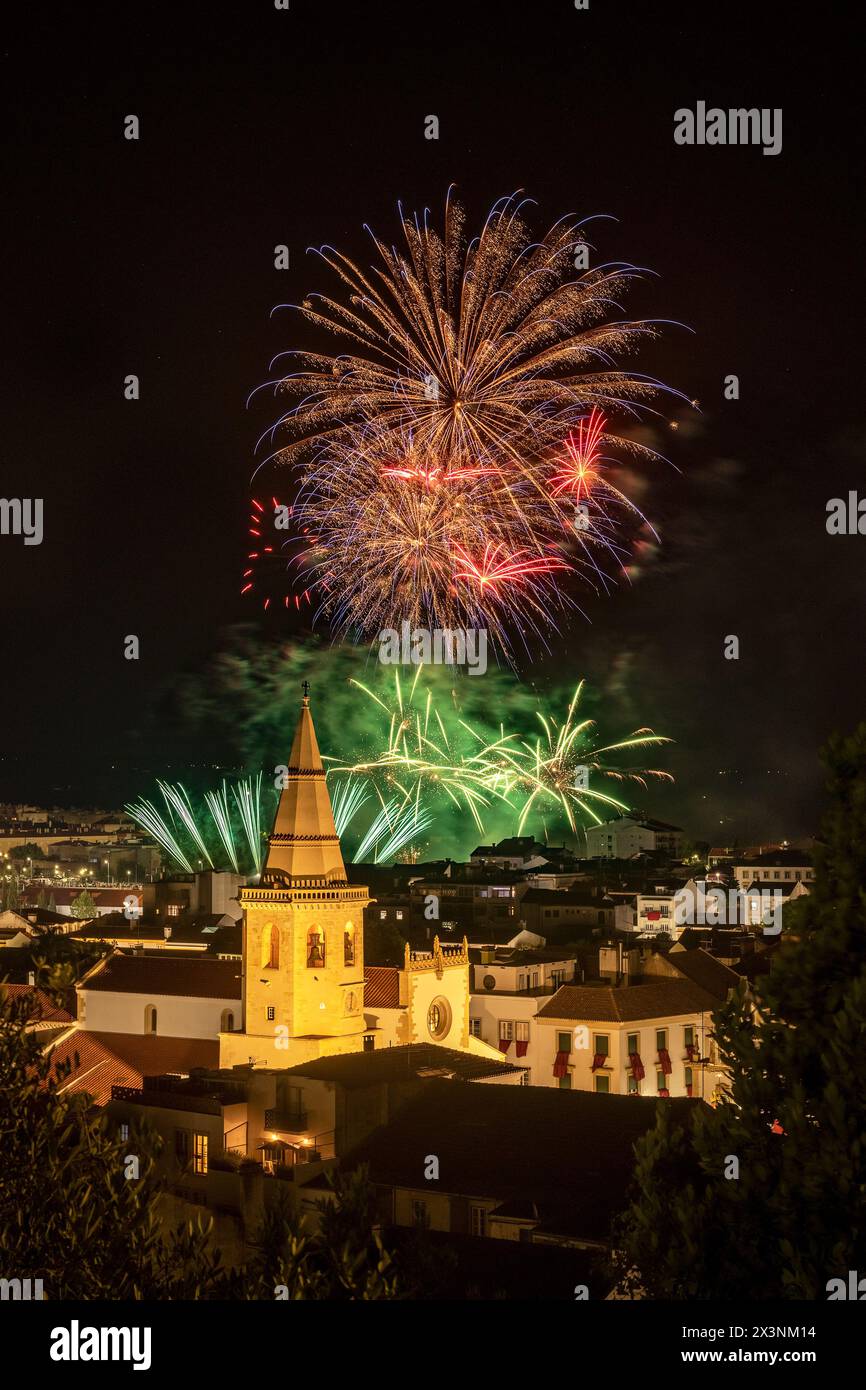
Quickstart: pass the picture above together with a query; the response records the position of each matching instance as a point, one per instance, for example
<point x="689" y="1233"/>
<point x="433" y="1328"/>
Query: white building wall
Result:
<point x="177" y="1016"/>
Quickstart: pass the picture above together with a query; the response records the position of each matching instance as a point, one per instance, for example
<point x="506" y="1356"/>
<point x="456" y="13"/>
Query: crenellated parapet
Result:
<point x="445" y="954"/>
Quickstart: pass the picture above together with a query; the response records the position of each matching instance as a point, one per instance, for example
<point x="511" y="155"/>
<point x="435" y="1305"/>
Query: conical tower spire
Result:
<point x="304" y="843"/>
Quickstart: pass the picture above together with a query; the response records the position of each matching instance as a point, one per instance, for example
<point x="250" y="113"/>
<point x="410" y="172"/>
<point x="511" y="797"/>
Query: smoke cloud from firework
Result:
<point x="472" y="785"/>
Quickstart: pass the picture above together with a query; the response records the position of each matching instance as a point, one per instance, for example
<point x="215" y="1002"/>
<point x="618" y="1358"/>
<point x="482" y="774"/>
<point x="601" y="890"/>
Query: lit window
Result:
<point x="438" y="1019"/>
<point x="478" y="1221"/>
<point x="475" y="1027"/>
<point x="124" y="1131"/>
<point x="200" y="1153"/>
<point x="399" y="914"/>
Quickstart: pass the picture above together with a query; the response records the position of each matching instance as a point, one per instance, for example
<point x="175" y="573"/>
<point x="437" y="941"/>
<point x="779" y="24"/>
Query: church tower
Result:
<point x="303" y="965"/>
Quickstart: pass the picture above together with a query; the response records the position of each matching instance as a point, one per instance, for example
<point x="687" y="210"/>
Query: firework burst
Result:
<point x="419" y="758"/>
<point x="565" y="770"/>
<point x="427" y="446"/>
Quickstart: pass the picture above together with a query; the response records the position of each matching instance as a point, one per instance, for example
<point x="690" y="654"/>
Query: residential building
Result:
<point x="628" y="835"/>
<point x="778" y="867"/>
<point x="653" y="1038"/>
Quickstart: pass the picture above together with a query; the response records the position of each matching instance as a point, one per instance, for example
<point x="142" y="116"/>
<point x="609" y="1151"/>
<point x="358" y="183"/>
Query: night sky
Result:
<point x="261" y="127"/>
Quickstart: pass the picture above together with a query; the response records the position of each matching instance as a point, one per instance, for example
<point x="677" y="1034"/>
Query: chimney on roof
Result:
<point x="31" y="977"/>
<point x="166" y="931"/>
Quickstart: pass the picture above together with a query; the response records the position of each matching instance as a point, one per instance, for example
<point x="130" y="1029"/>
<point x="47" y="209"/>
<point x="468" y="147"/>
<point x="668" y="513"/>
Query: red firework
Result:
<point x="271" y="574"/>
<point x="579" y="469"/>
<point x="498" y="567"/>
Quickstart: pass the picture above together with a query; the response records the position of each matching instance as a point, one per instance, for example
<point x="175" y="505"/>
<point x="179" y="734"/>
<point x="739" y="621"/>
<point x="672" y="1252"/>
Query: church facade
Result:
<point x="306" y="993"/>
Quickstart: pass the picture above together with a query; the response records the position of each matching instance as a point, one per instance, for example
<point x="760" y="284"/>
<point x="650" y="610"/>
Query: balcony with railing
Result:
<point x="179" y="1093"/>
<point x="286" y="1121"/>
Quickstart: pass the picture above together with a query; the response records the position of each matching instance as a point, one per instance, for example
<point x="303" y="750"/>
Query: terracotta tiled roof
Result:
<point x="382" y="987"/>
<point x="605" y="1004"/>
<point x="102" y="1060"/>
<point x="194" y="978"/>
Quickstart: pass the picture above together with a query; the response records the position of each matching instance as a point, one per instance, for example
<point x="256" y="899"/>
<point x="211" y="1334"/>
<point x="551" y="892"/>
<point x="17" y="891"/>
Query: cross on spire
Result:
<point x="305" y="686"/>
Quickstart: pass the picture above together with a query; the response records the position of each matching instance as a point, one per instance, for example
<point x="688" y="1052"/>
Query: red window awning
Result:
<point x="652" y="915"/>
<point x="637" y="1067"/>
<point x="560" y="1066"/>
<point x="521" y="1047"/>
<point x="504" y="1044"/>
<point x="664" y="1093"/>
<point x="599" y="1060"/>
<point x="665" y="1061"/>
<point x="689" y="1090"/>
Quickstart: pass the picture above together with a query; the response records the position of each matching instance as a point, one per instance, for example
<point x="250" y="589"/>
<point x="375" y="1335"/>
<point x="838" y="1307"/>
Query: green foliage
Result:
<point x="796" y="1215"/>
<point x="343" y="1260"/>
<point x="68" y="1213"/>
<point x="26" y="852"/>
<point x="83" y="907"/>
<point x="71" y="1217"/>
<point x="11" y="899"/>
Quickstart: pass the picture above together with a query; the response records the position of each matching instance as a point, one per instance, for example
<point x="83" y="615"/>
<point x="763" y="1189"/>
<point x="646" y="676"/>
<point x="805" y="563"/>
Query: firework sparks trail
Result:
<point x="181" y="817"/>
<point x="218" y="805"/>
<point x="270" y="574"/>
<point x="144" y="813"/>
<point x="177" y="800"/>
<point x="558" y="767"/>
<point x="346" y="800"/>
<point x="247" y="795"/>
<point x="392" y="829"/>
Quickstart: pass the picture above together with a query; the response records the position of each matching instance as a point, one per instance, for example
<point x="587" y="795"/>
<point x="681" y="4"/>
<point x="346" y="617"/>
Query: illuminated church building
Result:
<point x="304" y="982"/>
